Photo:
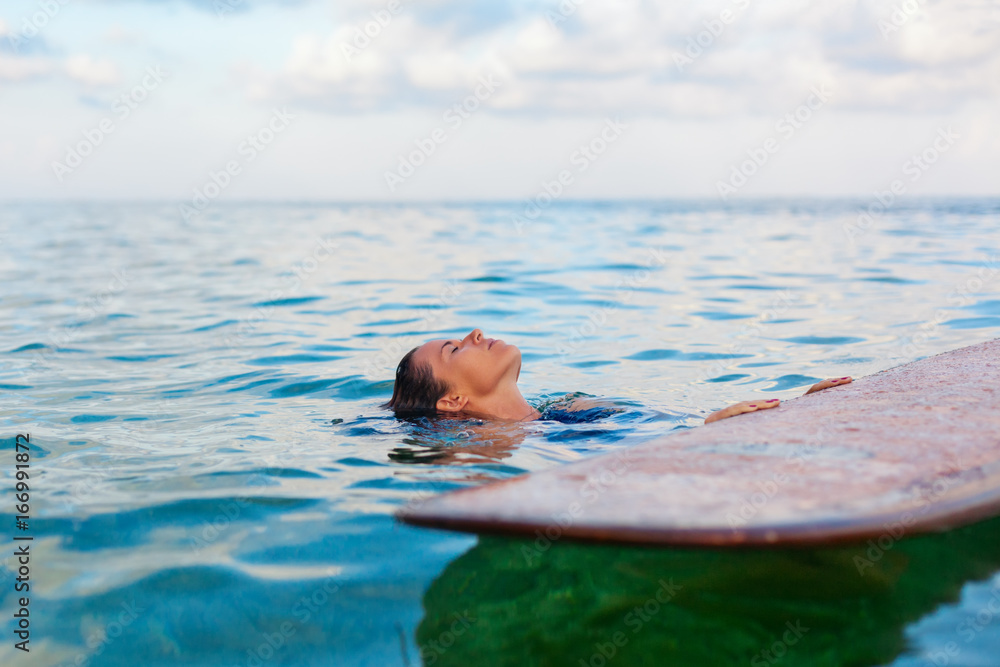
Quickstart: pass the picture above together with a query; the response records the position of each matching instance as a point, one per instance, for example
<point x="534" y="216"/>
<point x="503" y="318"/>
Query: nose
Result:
<point x="475" y="337"/>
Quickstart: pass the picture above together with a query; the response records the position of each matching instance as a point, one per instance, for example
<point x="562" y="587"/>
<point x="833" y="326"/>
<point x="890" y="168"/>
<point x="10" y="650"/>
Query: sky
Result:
<point x="201" y="101"/>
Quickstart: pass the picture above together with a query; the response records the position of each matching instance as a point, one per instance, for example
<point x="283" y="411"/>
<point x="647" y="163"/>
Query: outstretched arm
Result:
<point x="754" y="406"/>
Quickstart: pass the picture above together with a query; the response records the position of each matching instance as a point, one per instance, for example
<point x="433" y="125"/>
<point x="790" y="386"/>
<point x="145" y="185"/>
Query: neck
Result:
<point x="507" y="404"/>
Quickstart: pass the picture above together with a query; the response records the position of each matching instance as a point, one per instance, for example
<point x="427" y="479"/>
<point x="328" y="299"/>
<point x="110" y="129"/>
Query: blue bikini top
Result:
<point x="558" y="409"/>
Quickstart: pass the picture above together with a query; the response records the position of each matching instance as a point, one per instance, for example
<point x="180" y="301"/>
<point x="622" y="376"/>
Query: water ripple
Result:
<point x="213" y="444"/>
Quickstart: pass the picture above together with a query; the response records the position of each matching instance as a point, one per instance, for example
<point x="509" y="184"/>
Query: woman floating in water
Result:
<point x="477" y="377"/>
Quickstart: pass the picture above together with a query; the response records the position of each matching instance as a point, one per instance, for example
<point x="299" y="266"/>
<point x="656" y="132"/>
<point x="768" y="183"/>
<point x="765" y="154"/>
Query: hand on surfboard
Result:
<point x="826" y="384"/>
<point x="742" y="408"/>
<point x="754" y="406"/>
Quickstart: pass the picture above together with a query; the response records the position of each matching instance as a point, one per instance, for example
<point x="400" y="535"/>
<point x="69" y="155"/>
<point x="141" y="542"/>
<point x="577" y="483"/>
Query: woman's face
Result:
<point x="475" y="366"/>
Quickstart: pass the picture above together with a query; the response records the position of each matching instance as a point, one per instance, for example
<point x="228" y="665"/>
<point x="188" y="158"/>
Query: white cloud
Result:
<point x="18" y="64"/>
<point x="23" y="69"/>
<point x="686" y="128"/>
<point x="607" y="57"/>
<point x="118" y="34"/>
<point x="90" y="71"/>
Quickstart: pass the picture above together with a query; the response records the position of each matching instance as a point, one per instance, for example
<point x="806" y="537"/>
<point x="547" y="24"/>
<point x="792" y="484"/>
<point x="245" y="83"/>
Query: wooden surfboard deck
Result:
<point x="909" y="450"/>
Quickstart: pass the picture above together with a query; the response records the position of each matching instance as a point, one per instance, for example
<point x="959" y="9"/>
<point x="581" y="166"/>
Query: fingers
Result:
<point x="742" y="408"/>
<point x="826" y="384"/>
<point x="754" y="406"/>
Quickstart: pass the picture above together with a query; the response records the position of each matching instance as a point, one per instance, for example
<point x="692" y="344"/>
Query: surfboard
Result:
<point x="909" y="450"/>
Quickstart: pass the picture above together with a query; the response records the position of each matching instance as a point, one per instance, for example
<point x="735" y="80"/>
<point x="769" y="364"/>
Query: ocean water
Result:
<point x="213" y="481"/>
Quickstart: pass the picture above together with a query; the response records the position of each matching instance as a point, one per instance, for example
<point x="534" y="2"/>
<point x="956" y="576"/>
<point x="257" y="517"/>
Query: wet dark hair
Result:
<point x="416" y="390"/>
